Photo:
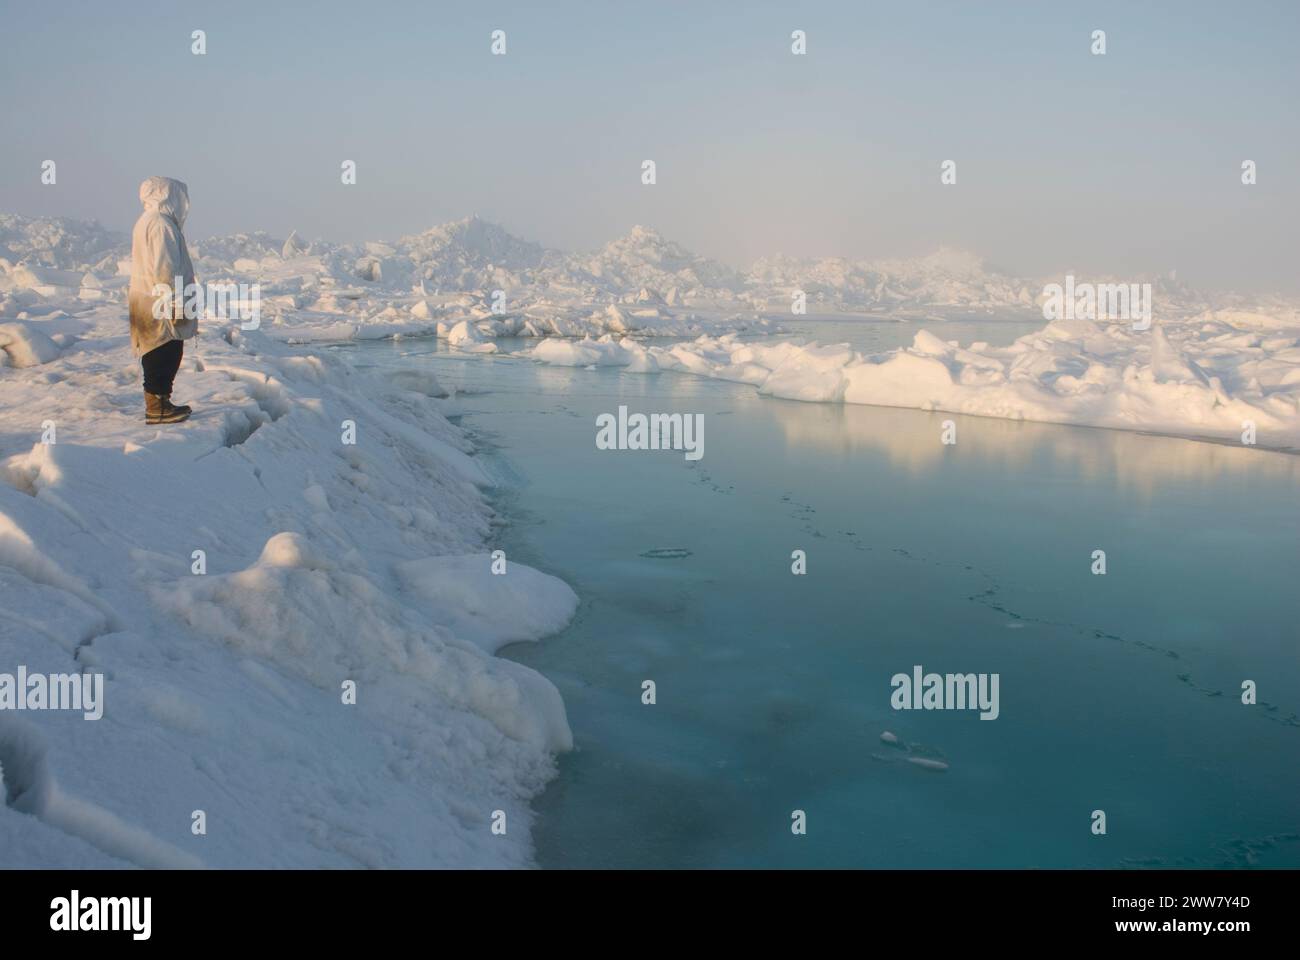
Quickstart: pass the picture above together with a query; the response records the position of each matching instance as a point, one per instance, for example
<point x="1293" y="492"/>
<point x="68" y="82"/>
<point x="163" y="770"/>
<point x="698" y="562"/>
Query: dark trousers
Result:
<point x="160" y="366"/>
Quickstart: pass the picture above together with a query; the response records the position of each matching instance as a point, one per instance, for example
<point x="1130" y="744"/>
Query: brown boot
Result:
<point x="182" y="409"/>
<point x="158" y="409"/>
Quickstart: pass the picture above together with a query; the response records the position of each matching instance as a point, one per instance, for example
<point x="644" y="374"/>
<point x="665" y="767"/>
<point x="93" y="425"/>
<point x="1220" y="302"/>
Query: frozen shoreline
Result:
<point x="326" y="562"/>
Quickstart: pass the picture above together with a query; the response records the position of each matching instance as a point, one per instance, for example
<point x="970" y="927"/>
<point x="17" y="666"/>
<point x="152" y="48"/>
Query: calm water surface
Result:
<point x="1118" y="692"/>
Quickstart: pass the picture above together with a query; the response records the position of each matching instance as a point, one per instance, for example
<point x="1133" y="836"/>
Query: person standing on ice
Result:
<point x="159" y="326"/>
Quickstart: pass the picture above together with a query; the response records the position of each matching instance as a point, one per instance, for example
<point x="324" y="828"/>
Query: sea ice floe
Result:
<point x="1203" y="376"/>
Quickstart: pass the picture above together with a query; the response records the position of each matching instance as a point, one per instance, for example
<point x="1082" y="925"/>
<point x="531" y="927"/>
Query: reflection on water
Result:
<point x="1136" y="463"/>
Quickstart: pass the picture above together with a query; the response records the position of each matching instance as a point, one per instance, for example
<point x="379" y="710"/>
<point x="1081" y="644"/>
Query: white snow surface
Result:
<point x="1211" y="375"/>
<point x="492" y="609"/>
<point x="325" y="563"/>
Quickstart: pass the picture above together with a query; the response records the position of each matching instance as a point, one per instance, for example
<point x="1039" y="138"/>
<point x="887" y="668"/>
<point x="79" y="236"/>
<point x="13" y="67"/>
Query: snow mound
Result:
<point x="491" y="609"/>
<point x="332" y="626"/>
<point x="291" y="550"/>
<point x="23" y="345"/>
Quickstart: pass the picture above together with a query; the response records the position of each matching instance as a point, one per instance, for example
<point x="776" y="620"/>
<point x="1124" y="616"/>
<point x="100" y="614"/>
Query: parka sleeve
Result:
<point x="163" y="253"/>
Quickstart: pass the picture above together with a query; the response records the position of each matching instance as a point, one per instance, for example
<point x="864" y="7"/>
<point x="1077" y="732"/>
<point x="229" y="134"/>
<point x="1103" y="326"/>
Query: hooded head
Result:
<point x="169" y="197"/>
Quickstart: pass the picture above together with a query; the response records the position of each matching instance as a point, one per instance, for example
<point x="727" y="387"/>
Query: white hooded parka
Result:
<point x="158" y="257"/>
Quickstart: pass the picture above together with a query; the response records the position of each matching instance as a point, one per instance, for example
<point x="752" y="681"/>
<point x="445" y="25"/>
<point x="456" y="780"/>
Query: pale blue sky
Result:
<point x="1127" y="163"/>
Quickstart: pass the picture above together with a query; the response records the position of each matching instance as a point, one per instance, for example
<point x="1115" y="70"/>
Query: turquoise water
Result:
<point x="1118" y="692"/>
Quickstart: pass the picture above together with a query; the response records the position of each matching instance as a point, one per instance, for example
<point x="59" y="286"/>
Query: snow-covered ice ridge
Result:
<point x="468" y="281"/>
<point x="428" y="283"/>
<point x="323" y="563"/>
<point x="1223" y="374"/>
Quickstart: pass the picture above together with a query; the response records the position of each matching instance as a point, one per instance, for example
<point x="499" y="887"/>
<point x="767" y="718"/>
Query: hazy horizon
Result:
<point x="1123" y="163"/>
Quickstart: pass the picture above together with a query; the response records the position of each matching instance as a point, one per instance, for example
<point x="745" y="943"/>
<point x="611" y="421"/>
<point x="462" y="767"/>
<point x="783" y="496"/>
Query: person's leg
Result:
<point x="174" y="366"/>
<point x="174" y="363"/>
<point x="160" y="366"/>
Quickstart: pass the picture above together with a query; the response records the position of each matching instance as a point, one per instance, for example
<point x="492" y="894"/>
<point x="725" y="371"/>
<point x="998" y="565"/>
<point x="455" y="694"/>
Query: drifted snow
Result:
<point x="326" y="563"/>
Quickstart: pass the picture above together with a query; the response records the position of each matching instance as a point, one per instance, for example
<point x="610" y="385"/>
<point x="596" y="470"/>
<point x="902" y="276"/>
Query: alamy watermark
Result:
<point x="654" y="431"/>
<point x="218" y="301"/>
<point x="53" y="691"/>
<point x="1098" y="301"/>
<point x="948" y="691"/>
<point x="76" y="913"/>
